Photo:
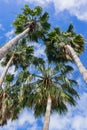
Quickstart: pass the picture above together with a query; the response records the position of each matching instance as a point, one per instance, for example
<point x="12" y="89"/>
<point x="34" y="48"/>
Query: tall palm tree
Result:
<point x="66" y="46"/>
<point x="9" y="105"/>
<point x="31" y="23"/>
<point x="20" y="56"/>
<point x="51" y="90"/>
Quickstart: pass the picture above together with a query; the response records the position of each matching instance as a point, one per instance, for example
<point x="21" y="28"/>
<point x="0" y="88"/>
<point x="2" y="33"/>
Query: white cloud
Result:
<point x="38" y="1"/>
<point x="9" y="34"/>
<point x="39" y="49"/>
<point x="10" y="70"/>
<point x="78" y="122"/>
<point x="25" y="117"/>
<point x="76" y="119"/>
<point x="74" y="7"/>
<point x="1" y="67"/>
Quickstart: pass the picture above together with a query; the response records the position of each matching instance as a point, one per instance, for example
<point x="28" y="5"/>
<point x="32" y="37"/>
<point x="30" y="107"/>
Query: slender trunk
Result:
<point x="9" y="45"/>
<point x="5" y="71"/>
<point x="3" y="111"/>
<point x="80" y="66"/>
<point x="47" y="114"/>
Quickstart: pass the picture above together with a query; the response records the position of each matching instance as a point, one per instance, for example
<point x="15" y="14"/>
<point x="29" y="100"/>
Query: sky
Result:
<point x="62" y="13"/>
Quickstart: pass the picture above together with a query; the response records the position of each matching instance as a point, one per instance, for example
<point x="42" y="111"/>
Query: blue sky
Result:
<point x="62" y="13"/>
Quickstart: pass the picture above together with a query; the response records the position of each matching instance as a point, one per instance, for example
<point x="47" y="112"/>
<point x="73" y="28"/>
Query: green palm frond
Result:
<point x="31" y="90"/>
<point x="35" y="20"/>
<point x="57" y="39"/>
<point x="70" y="28"/>
<point x="51" y="81"/>
<point x="9" y="77"/>
<point x="8" y="109"/>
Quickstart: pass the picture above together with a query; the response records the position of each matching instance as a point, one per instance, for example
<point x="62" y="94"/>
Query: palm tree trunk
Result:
<point x="80" y="66"/>
<point x="3" y="111"/>
<point x="47" y="114"/>
<point x="5" y="71"/>
<point x="9" y="45"/>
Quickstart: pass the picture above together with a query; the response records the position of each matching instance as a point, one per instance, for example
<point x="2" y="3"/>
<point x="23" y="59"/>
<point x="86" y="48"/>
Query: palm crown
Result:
<point x="53" y="82"/>
<point x="35" y="20"/>
<point x="57" y="40"/>
<point x="22" y="55"/>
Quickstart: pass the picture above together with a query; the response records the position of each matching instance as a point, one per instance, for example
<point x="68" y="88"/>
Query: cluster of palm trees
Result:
<point x="47" y="89"/>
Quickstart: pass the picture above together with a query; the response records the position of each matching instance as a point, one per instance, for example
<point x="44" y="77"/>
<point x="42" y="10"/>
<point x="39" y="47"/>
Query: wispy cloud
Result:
<point x="74" y="7"/>
<point x="74" y="119"/>
<point x="38" y="1"/>
<point x="39" y="49"/>
<point x="1" y="68"/>
<point x="9" y="34"/>
<point x="26" y="121"/>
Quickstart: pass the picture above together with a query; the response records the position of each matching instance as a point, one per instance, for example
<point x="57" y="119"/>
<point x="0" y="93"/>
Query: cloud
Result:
<point x="9" y="34"/>
<point x="38" y="1"/>
<point x="28" y="118"/>
<point x="10" y="70"/>
<point x="74" y="119"/>
<point x="74" y="7"/>
<point x="39" y="49"/>
<point x="26" y="121"/>
<point x="1" y="67"/>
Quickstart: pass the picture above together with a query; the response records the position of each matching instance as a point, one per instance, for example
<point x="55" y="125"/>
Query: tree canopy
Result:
<point x="57" y="40"/>
<point x="31" y="89"/>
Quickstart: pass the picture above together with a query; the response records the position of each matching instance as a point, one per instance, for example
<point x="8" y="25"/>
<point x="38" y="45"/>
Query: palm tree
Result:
<point x="66" y="46"/>
<point x="51" y="90"/>
<point x="20" y="56"/>
<point x="31" y="23"/>
<point x="5" y="100"/>
<point x="9" y="105"/>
